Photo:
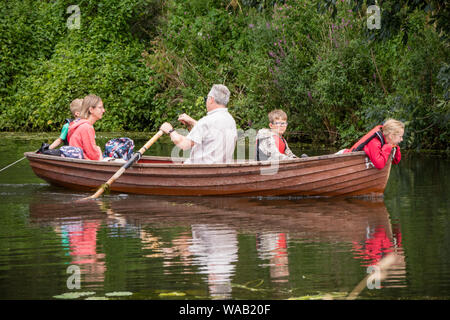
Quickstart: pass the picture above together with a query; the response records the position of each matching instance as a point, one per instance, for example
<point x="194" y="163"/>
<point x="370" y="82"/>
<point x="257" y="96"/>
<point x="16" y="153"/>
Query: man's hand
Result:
<point x="180" y="141"/>
<point x="185" y="119"/>
<point x="166" y="127"/>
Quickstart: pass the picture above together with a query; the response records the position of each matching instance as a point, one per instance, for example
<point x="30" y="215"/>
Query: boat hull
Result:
<point x="329" y="175"/>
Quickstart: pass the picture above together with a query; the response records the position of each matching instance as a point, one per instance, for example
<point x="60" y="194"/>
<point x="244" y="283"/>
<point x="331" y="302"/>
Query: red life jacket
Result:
<point x="374" y="133"/>
<point x="280" y="143"/>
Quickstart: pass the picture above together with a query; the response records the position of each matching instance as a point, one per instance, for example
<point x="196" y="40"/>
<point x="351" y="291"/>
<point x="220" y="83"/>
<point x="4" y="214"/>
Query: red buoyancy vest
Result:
<point x="280" y="143"/>
<point x="375" y="132"/>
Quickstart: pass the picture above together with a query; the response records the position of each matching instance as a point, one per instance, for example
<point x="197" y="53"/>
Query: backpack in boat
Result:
<point x="71" y="152"/>
<point x="119" y="148"/>
<point x="44" y="149"/>
<point x="280" y="144"/>
<point x="374" y="133"/>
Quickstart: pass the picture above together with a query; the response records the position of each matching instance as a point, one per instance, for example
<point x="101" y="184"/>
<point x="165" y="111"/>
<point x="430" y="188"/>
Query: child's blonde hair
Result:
<point x="392" y="126"/>
<point x="75" y="106"/>
<point x="277" y="114"/>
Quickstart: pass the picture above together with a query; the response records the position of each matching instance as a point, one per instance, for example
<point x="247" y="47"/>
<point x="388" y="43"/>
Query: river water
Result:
<point x="145" y="247"/>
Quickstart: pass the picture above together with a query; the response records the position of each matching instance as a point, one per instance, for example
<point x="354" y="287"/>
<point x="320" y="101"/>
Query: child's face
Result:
<point x="279" y="126"/>
<point x="396" y="138"/>
<point x="76" y="114"/>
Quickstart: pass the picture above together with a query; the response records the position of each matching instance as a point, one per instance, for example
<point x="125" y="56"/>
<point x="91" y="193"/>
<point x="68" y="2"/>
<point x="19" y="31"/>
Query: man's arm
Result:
<point x="179" y="140"/>
<point x="187" y="120"/>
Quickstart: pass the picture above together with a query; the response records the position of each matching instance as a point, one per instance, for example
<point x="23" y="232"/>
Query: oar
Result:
<point x="381" y="272"/>
<point x="12" y="164"/>
<point x="128" y="164"/>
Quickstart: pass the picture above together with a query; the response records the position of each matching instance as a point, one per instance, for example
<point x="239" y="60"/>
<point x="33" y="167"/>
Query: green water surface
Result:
<point x="146" y="247"/>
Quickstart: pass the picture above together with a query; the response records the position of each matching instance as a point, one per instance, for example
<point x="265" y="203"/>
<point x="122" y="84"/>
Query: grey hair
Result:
<point x="220" y="93"/>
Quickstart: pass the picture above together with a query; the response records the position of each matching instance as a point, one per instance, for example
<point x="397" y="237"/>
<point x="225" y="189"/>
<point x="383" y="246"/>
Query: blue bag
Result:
<point x="71" y="152"/>
<point x="119" y="148"/>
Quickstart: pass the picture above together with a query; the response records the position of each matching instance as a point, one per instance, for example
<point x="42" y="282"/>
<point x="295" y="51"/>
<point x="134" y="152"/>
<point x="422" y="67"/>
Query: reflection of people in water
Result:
<point x="273" y="246"/>
<point x="81" y="238"/>
<point x="376" y="245"/>
<point x="179" y="248"/>
<point x="150" y="243"/>
<point x="214" y="249"/>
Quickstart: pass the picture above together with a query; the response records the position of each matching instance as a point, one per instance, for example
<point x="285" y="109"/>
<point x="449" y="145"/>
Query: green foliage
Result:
<point x="151" y="60"/>
<point x="103" y="57"/>
<point x="29" y="30"/>
<point x="396" y="15"/>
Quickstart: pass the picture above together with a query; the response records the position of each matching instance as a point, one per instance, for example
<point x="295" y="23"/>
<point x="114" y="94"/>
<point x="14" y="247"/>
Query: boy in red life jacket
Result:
<point x="270" y="143"/>
<point x="380" y="141"/>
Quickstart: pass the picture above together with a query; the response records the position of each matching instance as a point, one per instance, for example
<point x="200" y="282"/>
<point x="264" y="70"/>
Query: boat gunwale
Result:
<point x="245" y="163"/>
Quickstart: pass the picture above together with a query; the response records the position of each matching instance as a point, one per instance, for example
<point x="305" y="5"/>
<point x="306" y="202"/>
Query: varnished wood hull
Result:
<point x="329" y="175"/>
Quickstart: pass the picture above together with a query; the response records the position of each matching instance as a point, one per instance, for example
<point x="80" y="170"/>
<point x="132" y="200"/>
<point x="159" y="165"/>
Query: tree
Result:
<point x="395" y="15"/>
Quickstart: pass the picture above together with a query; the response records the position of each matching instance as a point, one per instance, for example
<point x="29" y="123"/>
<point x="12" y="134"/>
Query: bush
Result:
<point x="29" y="31"/>
<point x="151" y="60"/>
<point x="102" y="57"/>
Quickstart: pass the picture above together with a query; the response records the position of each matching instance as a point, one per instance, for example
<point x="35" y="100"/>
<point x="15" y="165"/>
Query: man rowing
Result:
<point x="213" y="137"/>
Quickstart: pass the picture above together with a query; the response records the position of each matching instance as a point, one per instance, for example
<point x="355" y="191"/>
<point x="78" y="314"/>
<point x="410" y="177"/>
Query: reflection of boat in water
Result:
<point x="307" y="219"/>
<point x="329" y="175"/>
<point x="209" y="229"/>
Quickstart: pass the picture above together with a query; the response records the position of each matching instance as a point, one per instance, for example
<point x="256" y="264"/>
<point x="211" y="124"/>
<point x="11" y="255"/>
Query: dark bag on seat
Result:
<point x="50" y="152"/>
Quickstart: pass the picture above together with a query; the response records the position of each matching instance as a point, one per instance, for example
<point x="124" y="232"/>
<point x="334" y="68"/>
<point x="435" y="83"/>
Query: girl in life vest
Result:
<point x="270" y="144"/>
<point x="379" y="142"/>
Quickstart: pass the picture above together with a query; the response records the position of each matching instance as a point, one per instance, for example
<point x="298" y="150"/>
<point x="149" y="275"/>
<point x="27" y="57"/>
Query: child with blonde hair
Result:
<point x="379" y="143"/>
<point x="75" y="109"/>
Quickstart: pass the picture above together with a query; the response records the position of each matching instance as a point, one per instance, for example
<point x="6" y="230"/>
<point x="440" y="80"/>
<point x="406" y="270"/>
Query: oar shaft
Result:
<point x="12" y="164"/>
<point x="129" y="163"/>
<point x="150" y="142"/>
<point x="108" y="183"/>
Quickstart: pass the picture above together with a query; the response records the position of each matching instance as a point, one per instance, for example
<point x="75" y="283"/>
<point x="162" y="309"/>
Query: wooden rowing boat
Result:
<point x="350" y="174"/>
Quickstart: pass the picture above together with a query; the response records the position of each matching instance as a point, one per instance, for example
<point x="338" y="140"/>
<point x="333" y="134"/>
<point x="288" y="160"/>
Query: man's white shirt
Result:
<point x="214" y="138"/>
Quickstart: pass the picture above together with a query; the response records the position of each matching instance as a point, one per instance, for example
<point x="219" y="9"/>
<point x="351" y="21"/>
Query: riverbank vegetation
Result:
<point x="150" y="60"/>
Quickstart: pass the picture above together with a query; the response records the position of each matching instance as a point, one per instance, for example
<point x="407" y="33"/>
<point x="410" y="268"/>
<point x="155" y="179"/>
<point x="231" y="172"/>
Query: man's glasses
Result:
<point x="281" y="124"/>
